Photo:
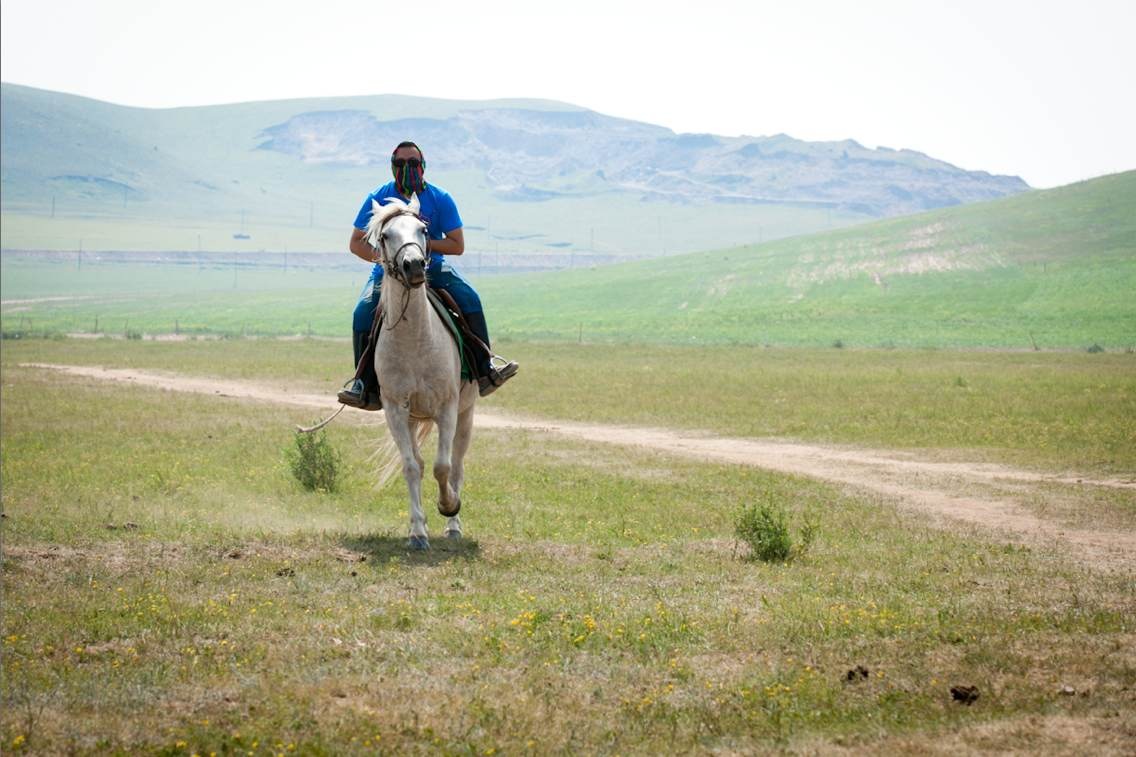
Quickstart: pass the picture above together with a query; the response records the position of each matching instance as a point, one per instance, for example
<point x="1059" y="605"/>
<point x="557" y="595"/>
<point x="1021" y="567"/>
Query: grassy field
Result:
<point x="1045" y="410"/>
<point x="169" y="588"/>
<point x="1051" y="269"/>
<point x="1044" y="270"/>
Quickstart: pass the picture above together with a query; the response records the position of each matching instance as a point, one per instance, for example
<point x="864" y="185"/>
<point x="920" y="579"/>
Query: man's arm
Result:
<point x="453" y="244"/>
<point x="361" y="248"/>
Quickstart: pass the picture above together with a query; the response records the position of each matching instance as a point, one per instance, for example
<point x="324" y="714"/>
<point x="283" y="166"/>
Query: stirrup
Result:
<point x="362" y="399"/>
<point x="497" y="376"/>
<point x="353" y="393"/>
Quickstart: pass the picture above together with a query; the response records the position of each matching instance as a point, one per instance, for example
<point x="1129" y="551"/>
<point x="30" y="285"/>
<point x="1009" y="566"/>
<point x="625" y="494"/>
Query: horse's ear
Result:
<point x="377" y="214"/>
<point x="414" y="205"/>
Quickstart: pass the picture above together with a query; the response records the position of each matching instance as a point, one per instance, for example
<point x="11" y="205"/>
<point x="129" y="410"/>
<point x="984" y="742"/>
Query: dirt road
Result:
<point x="979" y="494"/>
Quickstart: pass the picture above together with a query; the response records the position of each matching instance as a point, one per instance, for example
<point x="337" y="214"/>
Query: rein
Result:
<point x="391" y="268"/>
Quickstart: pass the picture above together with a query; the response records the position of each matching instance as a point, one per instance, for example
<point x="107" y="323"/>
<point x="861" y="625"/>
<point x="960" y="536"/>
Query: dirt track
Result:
<point x="942" y="490"/>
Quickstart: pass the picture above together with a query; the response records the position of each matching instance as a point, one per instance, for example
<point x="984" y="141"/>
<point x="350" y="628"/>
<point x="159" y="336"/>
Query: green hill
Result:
<point x="1054" y="268"/>
<point x="545" y="180"/>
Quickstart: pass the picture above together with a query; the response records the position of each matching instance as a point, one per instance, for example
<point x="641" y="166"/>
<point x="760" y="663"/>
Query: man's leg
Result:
<point x="362" y="391"/>
<point x="491" y="377"/>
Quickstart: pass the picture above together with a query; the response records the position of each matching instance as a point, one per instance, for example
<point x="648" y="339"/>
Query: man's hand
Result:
<point x="361" y="248"/>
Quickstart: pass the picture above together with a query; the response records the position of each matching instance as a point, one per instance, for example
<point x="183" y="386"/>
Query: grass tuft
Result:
<point x="765" y="529"/>
<point x="314" y="462"/>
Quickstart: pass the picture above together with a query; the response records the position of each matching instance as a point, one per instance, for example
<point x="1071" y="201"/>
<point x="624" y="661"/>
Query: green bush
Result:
<point x="765" y="529"/>
<point x="314" y="462"/>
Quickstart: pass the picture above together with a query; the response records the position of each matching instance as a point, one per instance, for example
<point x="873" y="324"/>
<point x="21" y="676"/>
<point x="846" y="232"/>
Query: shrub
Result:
<point x="1095" y="348"/>
<point x="765" y="529"/>
<point x="314" y="462"/>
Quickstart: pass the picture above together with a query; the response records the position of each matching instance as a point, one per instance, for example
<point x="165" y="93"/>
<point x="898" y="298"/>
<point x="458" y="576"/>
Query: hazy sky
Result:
<point x="1045" y="90"/>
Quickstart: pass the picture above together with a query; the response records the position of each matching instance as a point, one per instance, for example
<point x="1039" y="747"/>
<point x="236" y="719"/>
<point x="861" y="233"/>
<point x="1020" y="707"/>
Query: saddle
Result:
<point x="451" y="315"/>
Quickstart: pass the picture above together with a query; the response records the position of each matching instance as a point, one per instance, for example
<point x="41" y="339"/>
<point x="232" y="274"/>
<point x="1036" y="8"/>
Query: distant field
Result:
<point x="1045" y="270"/>
<point x="70" y="295"/>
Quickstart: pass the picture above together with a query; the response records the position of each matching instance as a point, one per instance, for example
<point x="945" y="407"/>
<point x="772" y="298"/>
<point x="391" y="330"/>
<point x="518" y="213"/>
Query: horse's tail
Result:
<point x="388" y="457"/>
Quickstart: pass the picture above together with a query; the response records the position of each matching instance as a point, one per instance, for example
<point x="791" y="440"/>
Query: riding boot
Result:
<point x="489" y="376"/>
<point x="362" y="391"/>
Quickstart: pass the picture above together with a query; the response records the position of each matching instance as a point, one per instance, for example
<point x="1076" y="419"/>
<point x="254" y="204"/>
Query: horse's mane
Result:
<point x="380" y="214"/>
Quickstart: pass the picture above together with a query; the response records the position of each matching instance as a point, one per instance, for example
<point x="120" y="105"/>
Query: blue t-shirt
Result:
<point x="437" y="207"/>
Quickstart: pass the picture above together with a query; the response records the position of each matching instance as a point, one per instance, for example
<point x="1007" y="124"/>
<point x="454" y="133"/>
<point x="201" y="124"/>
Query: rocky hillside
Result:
<point x="535" y="155"/>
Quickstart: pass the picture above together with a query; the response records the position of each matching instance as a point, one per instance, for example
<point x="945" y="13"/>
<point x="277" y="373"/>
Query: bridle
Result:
<point x="390" y="263"/>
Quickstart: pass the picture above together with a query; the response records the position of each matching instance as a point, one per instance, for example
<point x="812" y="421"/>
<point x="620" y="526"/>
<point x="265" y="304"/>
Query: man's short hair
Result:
<point x="407" y="144"/>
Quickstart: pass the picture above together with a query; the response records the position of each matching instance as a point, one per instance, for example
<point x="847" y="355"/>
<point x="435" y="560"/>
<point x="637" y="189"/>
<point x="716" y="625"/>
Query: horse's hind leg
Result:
<point x="449" y="503"/>
<point x="462" y="439"/>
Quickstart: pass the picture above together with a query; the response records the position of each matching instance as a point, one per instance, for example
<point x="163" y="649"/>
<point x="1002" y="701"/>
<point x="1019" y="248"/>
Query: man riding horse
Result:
<point x="444" y="237"/>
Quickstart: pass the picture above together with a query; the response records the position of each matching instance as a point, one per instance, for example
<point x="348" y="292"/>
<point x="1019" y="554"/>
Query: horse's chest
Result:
<point x="422" y="389"/>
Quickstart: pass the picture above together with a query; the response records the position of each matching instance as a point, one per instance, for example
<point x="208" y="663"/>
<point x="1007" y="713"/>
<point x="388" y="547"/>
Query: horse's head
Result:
<point x="399" y="235"/>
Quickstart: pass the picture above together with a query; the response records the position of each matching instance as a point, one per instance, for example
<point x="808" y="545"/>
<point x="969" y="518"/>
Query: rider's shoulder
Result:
<point x="437" y="193"/>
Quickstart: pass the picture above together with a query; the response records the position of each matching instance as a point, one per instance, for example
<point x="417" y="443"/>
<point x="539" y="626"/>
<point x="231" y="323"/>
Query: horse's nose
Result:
<point x="415" y="270"/>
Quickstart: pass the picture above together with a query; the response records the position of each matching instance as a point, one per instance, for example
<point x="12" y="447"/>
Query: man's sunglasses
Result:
<point x="412" y="162"/>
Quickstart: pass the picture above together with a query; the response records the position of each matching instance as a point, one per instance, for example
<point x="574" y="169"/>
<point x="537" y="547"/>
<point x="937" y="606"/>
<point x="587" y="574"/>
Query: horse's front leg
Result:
<point x="398" y="421"/>
<point x="449" y="503"/>
<point x="462" y="438"/>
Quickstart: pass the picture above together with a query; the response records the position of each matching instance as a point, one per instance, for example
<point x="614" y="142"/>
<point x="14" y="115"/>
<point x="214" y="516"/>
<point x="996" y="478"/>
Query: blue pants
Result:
<point x="440" y="275"/>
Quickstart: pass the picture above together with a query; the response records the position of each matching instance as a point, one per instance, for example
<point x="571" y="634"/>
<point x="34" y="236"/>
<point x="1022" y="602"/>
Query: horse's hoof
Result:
<point x="454" y="535"/>
<point x="452" y="513"/>
<point x="418" y="543"/>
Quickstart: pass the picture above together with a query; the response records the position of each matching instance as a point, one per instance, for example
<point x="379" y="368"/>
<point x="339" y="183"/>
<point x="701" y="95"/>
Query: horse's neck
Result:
<point x="406" y="312"/>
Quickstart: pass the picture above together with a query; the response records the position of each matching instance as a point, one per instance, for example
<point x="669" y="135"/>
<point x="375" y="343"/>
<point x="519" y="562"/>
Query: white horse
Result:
<point x="419" y="367"/>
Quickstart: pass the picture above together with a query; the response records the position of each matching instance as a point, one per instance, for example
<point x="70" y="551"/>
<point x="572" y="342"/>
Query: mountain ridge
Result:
<point x="525" y="159"/>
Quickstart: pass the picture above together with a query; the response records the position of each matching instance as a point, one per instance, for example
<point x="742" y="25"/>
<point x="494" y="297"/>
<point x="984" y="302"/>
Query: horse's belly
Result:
<point x="422" y="397"/>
